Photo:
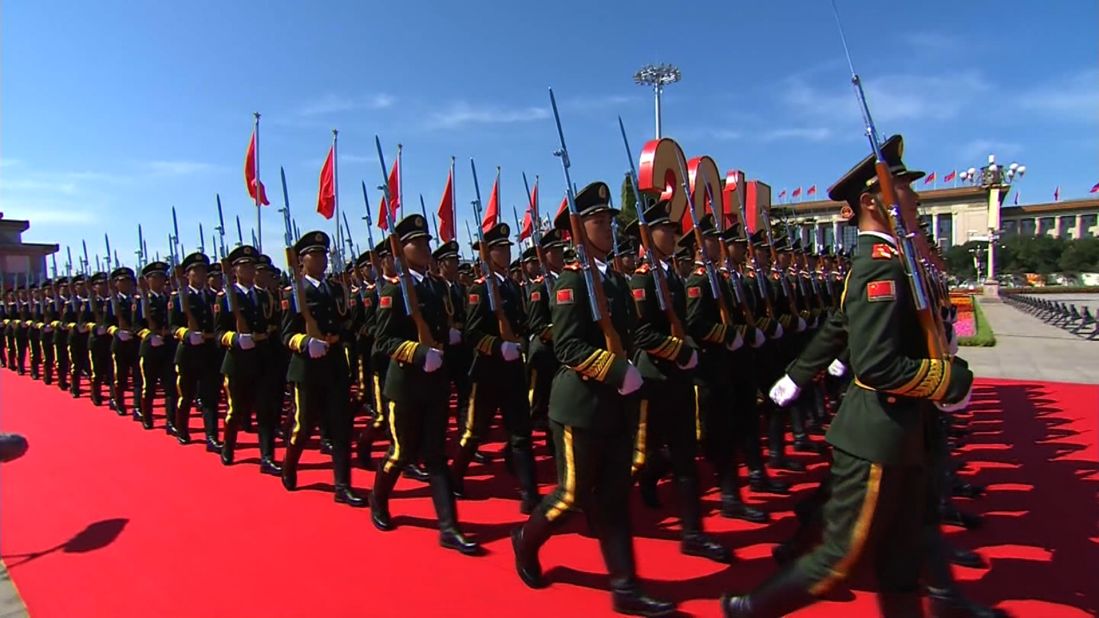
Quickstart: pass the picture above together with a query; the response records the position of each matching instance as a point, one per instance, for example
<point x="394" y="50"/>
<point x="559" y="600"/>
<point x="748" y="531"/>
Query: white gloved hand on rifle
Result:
<point x="784" y="392"/>
<point x="316" y="347"/>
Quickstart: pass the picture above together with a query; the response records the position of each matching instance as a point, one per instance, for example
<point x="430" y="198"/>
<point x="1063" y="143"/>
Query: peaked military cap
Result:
<point x="498" y="235"/>
<point x="592" y="199"/>
<point x="684" y="254"/>
<point x="195" y="259"/>
<point x="124" y="272"/>
<point x="155" y="268"/>
<point x="446" y="251"/>
<point x="759" y="239"/>
<point x="782" y="244"/>
<point x="732" y="234"/>
<point x="79" y="279"/>
<point x="61" y="281"/>
<point x="364" y="259"/>
<point x="530" y="254"/>
<point x="311" y="242"/>
<point x="864" y="175"/>
<point x="244" y="254"/>
<point x="382" y="248"/>
<point x="465" y="267"/>
<point x="552" y="240"/>
<point x="411" y="228"/>
<point x="706" y="224"/>
<point x="99" y="277"/>
<point x="515" y="265"/>
<point x="686" y="243"/>
<point x="47" y="283"/>
<point x="214" y="270"/>
<point x="263" y="261"/>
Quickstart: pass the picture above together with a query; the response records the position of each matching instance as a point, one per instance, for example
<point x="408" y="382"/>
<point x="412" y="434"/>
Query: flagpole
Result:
<point x="255" y="165"/>
<point x="336" y="197"/>
<point x="453" y="202"/>
<point x="400" y="185"/>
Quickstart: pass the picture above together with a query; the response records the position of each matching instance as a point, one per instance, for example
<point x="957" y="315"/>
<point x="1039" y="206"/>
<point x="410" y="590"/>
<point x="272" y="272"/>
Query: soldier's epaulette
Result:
<point x="393" y="280"/>
<point x="480" y="280"/>
<point x="537" y="280"/>
<point x="574" y="266"/>
<point x="701" y="270"/>
<point x="643" y="269"/>
<point x="883" y="251"/>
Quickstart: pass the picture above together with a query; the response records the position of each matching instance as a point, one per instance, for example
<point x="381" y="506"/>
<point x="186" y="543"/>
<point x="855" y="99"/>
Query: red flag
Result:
<point x="250" y="173"/>
<point x="950" y="177"/>
<point x="528" y="219"/>
<point x="782" y="194"/>
<point x="812" y="190"/>
<point x="1095" y="188"/>
<point x="796" y="192"/>
<point x="563" y="207"/>
<point x="930" y="179"/>
<point x="394" y="194"/>
<point x="326" y="193"/>
<point x="446" y="210"/>
<point x="492" y="213"/>
<point x="1057" y="194"/>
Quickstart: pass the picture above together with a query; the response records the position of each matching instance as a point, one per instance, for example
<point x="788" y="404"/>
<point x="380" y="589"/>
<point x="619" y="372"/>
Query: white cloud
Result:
<point x="382" y="101"/>
<point x="327" y="104"/>
<point x="52" y="215"/>
<point x="811" y="134"/>
<point x="1074" y="96"/>
<point x="978" y="149"/>
<point x="929" y="43"/>
<point x="461" y="113"/>
<point x="177" y="168"/>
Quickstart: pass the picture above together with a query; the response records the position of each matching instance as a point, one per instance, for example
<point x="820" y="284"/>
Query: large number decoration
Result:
<point x="659" y="175"/>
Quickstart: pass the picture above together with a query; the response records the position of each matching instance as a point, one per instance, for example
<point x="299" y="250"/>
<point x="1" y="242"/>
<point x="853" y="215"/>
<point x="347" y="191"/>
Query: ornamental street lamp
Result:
<point x="995" y="179"/>
<point x="657" y="75"/>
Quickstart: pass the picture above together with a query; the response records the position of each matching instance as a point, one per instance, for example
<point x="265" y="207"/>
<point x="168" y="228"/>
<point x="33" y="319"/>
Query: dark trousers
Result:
<point x="127" y="373"/>
<point x="157" y="368"/>
<point x="668" y="418"/>
<point x="197" y="375"/>
<point x="456" y="362"/>
<point x="22" y="341"/>
<point x="61" y="358"/>
<point x="79" y="362"/>
<point x="34" y="341"/>
<point x="874" y="515"/>
<point x="247" y="394"/>
<point x="102" y="368"/>
<point x="314" y="403"/>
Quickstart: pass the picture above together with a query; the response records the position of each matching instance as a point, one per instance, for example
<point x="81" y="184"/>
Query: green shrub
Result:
<point x="984" y="338"/>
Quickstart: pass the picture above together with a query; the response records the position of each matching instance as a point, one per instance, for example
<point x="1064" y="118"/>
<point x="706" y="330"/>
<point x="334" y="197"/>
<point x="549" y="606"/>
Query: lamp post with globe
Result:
<point x="657" y="76"/>
<point x="996" y="179"/>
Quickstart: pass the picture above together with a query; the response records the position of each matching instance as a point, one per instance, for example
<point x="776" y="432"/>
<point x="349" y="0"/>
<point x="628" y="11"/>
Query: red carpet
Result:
<point x="101" y="518"/>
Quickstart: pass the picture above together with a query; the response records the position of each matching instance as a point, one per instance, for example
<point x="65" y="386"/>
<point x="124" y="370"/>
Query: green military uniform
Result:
<point x="593" y="424"/>
<point x="457" y="351"/>
<point x="417" y="390"/>
<point x="81" y="322"/>
<point x="250" y="361"/>
<point x="122" y="317"/>
<point x="99" y="341"/>
<point x="319" y="375"/>
<point x="34" y="332"/>
<point x="542" y="362"/>
<point x="11" y="319"/>
<point x="59" y="335"/>
<point x="196" y="357"/>
<point x="498" y="383"/>
<point x="878" y="481"/>
<point x="157" y="348"/>
<point x="377" y="362"/>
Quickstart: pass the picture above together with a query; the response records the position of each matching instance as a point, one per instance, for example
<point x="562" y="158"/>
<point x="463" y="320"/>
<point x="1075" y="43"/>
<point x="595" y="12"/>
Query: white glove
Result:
<point x="758" y="338"/>
<point x="156" y="341"/>
<point x="509" y="350"/>
<point x="101" y="330"/>
<point x="692" y="362"/>
<point x="956" y="407"/>
<point x="433" y="360"/>
<point x="952" y="342"/>
<point x="778" y="331"/>
<point x="124" y="335"/>
<point x="837" y="369"/>
<point x="632" y="382"/>
<point x="47" y="329"/>
<point x="316" y="347"/>
<point x="455" y="336"/>
<point x="784" y="392"/>
<point x="80" y="328"/>
<point x="801" y="324"/>
<point x="194" y="337"/>
<point x="246" y="341"/>
<point x="736" y="343"/>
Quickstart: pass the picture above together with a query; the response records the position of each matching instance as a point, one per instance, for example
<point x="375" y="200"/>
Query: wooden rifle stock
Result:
<point x="311" y="327"/>
<point x="231" y="298"/>
<point x="610" y="335"/>
<point x="506" y="333"/>
<point x="423" y="332"/>
<point x="185" y="299"/>
<point x="660" y="278"/>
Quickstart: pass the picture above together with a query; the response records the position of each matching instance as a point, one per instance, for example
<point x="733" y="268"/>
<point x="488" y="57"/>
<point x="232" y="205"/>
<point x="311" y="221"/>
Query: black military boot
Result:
<point x="526" y="540"/>
<point x="210" y="424"/>
<point x="341" y="471"/>
<point x="96" y="393"/>
<point x="626" y="594"/>
<point x="760" y="482"/>
<point x="415" y="472"/>
<point x="450" y="537"/>
<point x="147" y="413"/>
<point x="483" y="459"/>
<point x="229" y="445"/>
<point x="900" y="604"/>
<point x="183" y="425"/>
<point x="779" y="461"/>
<point x="783" y="594"/>
<point x="523" y="461"/>
<point x="458" y="469"/>
<point x="695" y="542"/>
<point x="364" y="448"/>
<point x="267" y="463"/>
<point x="379" y="498"/>
<point x="732" y="506"/>
<point x="290" y="467"/>
<point x="951" y="603"/>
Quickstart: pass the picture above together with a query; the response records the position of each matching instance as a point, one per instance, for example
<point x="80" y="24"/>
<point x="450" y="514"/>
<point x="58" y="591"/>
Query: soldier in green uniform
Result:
<point x="81" y="322"/>
<point x="23" y="328"/>
<point x="157" y="350"/>
<point x="11" y="318"/>
<point x="193" y="321"/>
<point x="34" y="332"/>
<point x="456" y="357"/>
<point x="542" y="362"/>
<point x="876" y="508"/>
<point x="378" y="362"/>
<point x="362" y="301"/>
<point x="593" y="416"/>
<point x="416" y="387"/>
<point x="318" y="371"/>
<point x="99" y="341"/>
<point x="60" y="338"/>
<point x="268" y="279"/>
<point x="668" y="359"/>
<point x="243" y="329"/>
<point x="122" y="318"/>
<point x="721" y="347"/>
<point x="499" y="378"/>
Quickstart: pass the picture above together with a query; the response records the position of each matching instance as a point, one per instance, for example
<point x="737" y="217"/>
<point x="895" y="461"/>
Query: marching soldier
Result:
<point x="196" y="356"/>
<point x="542" y="362"/>
<point x="60" y="339"/>
<point x="499" y="380"/>
<point x="667" y="361"/>
<point x="156" y="351"/>
<point x="378" y="362"/>
<point x="81" y="321"/>
<point x="268" y="278"/>
<point x="875" y="510"/>
<point x="363" y="301"/>
<point x="243" y="329"/>
<point x="99" y="340"/>
<point x="318" y="372"/>
<point x="593" y="410"/>
<point x="456" y="357"/>
<point x="416" y="387"/>
<point x="34" y="331"/>
<point x="122" y="318"/>
<point x="11" y="321"/>
<point x="722" y="347"/>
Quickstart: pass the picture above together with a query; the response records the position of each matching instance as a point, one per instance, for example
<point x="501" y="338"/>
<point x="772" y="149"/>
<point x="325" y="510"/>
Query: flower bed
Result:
<point x="971" y="327"/>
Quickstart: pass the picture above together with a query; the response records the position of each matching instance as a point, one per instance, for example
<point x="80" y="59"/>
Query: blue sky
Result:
<point x="112" y="111"/>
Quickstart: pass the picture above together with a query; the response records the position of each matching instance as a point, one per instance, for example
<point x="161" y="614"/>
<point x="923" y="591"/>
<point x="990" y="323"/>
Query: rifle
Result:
<point x="536" y="233"/>
<point x="87" y="263"/>
<point x="374" y="268"/>
<point x="143" y="286"/>
<point x="140" y="247"/>
<point x="174" y="243"/>
<point x="929" y="320"/>
<point x="469" y="238"/>
<point x="702" y="167"/>
<point x="53" y="259"/>
<point x="202" y="240"/>
<point x="660" y="278"/>
<point x="221" y="221"/>
<point x="753" y="260"/>
<point x="783" y="281"/>
<point x="107" y="241"/>
<point x="597" y="296"/>
<point x="231" y="298"/>
<point x="292" y="268"/>
<point x="408" y="288"/>
<point x="69" y="274"/>
<point x="240" y="235"/>
<point x="495" y="303"/>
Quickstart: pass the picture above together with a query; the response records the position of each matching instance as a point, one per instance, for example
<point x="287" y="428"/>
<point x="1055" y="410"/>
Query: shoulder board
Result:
<point x="393" y="279"/>
<point x="538" y="279"/>
<point x="642" y="269"/>
<point x="479" y="280"/>
<point x="575" y="266"/>
<point x="701" y="270"/>
<point x="882" y="251"/>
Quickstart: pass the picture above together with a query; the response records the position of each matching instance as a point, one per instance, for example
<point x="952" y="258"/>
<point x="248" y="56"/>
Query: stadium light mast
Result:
<point x="657" y="76"/>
